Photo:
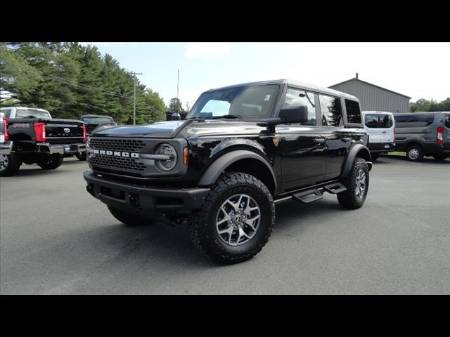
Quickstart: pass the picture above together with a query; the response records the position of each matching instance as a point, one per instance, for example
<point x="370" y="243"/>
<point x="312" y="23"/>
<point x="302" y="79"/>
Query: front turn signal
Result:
<point x="186" y="156"/>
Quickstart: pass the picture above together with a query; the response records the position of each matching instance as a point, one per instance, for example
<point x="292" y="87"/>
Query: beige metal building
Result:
<point x="374" y="97"/>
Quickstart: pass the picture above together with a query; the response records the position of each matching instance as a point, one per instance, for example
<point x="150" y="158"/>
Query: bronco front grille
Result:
<point x="117" y="162"/>
<point x="113" y="144"/>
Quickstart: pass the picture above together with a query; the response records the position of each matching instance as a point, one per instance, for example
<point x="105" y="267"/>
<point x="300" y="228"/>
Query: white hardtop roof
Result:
<point x="295" y="83"/>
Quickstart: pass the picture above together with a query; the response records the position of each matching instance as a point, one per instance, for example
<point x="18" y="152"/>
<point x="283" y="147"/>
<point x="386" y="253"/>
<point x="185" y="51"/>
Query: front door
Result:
<point x="301" y="147"/>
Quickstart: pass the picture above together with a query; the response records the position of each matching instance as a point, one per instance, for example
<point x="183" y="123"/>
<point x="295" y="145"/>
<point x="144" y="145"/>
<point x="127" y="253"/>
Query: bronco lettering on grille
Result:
<point x="116" y="153"/>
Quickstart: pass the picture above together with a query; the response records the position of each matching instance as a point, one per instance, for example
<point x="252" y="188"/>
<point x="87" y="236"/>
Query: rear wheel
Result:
<point x="128" y="218"/>
<point x="50" y="162"/>
<point x="9" y="164"/>
<point x="357" y="184"/>
<point x="414" y="153"/>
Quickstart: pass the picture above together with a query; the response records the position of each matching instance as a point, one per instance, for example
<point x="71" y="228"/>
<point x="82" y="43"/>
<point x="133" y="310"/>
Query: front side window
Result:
<point x="296" y="98"/>
<point x="32" y="113"/>
<point x="243" y="102"/>
<point x="353" y="112"/>
<point x="447" y="121"/>
<point x="331" y="110"/>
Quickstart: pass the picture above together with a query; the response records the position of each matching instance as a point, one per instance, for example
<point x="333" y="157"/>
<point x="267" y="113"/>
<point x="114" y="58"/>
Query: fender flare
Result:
<point x="223" y="162"/>
<point x="353" y="153"/>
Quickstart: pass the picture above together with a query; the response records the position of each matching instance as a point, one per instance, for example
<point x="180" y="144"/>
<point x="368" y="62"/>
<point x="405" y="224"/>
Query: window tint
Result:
<point x="296" y="98"/>
<point x="385" y="121"/>
<point x="371" y="121"/>
<point x="353" y="112"/>
<point x="378" y="121"/>
<point x="330" y="108"/>
<point x="413" y="120"/>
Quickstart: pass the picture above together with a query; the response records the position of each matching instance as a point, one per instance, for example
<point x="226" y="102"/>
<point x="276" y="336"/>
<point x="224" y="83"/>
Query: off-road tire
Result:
<point x="50" y="162"/>
<point x="348" y="198"/>
<point x="440" y="157"/>
<point x="81" y="156"/>
<point x="417" y="151"/>
<point x="128" y="218"/>
<point x="204" y="233"/>
<point x="12" y="165"/>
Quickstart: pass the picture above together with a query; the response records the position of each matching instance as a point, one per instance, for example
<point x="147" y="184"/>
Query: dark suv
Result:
<point x="241" y="149"/>
<point x="422" y="134"/>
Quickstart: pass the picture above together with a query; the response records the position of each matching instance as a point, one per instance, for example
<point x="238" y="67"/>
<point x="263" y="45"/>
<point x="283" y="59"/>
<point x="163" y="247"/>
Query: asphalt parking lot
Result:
<point x="57" y="239"/>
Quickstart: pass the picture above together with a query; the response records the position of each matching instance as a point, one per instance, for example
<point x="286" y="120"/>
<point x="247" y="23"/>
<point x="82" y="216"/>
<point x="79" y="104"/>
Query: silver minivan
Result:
<point x="422" y="134"/>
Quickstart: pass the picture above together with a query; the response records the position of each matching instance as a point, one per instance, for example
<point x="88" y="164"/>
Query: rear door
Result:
<point x="380" y="127"/>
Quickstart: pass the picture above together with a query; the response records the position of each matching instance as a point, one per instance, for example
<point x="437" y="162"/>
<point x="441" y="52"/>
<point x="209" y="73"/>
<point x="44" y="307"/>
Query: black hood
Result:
<point x="155" y="130"/>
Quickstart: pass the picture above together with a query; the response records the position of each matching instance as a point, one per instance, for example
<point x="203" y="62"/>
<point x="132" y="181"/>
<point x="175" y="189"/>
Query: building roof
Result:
<point x="373" y="85"/>
<point x="295" y="83"/>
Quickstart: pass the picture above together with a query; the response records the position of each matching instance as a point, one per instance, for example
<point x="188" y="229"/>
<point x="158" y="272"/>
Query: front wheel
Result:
<point x="9" y="164"/>
<point x="50" y="162"/>
<point x="236" y="219"/>
<point x="357" y="184"/>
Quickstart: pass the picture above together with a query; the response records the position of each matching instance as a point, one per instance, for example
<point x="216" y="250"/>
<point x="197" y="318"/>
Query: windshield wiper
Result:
<point x="226" y="117"/>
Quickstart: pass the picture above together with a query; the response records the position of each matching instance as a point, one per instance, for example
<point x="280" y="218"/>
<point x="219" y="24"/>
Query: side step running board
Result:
<point x="315" y="194"/>
<point x="335" y="188"/>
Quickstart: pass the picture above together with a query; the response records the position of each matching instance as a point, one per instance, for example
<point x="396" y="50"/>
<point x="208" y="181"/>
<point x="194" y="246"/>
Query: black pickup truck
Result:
<point x="31" y="135"/>
<point x="241" y="150"/>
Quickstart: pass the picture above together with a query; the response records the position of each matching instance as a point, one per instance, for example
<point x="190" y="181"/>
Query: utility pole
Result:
<point x="134" y="96"/>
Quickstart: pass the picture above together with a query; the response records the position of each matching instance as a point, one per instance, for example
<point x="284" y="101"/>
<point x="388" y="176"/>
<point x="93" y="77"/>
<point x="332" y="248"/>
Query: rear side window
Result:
<point x="353" y="112"/>
<point x="378" y="121"/>
<point x="330" y="108"/>
<point x="414" y="120"/>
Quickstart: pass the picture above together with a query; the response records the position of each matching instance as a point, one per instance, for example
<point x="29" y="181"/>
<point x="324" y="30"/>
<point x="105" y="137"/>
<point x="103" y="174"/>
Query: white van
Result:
<point x="380" y="126"/>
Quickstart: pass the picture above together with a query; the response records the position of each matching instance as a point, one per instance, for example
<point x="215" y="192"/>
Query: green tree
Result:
<point x="175" y="105"/>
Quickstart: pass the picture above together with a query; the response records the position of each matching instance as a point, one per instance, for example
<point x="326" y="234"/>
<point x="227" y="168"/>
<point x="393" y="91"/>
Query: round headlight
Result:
<point x="168" y="150"/>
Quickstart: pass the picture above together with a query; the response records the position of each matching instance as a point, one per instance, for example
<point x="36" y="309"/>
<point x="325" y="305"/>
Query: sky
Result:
<point x="418" y="70"/>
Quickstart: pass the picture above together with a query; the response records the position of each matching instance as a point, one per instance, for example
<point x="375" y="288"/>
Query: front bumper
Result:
<point x="6" y="148"/>
<point x="143" y="198"/>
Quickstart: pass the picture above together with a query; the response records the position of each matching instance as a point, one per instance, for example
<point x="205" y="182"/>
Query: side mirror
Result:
<point x="294" y="115"/>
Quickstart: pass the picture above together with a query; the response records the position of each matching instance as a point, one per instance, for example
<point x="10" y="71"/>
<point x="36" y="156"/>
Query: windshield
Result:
<point x="97" y="120"/>
<point x="32" y="113"/>
<point x="243" y="102"/>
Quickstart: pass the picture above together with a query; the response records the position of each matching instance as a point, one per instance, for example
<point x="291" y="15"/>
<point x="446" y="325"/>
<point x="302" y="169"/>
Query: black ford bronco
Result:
<point x="241" y="149"/>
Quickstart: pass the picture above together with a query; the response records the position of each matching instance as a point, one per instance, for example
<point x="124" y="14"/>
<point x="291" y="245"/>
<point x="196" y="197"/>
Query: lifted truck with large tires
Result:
<point x="241" y="149"/>
<point x="31" y="135"/>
